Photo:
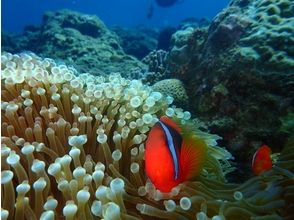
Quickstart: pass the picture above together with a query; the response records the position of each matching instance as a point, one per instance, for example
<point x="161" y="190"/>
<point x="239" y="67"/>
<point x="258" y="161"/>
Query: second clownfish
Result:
<point x="172" y="155"/>
<point x="262" y="160"/>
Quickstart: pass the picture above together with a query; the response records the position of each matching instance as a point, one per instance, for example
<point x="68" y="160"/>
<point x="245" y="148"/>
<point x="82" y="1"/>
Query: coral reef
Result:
<point x="138" y="41"/>
<point x="239" y="73"/>
<point x="185" y="51"/>
<point x="157" y="67"/>
<point x="253" y="34"/>
<point x="174" y="88"/>
<point x="79" y="40"/>
<point x="73" y="148"/>
<point x="194" y="23"/>
<point x="181" y="50"/>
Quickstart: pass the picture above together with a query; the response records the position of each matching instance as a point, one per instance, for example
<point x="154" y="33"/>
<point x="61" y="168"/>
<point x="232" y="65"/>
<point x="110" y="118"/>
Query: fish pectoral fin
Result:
<point x="193" y="154"/>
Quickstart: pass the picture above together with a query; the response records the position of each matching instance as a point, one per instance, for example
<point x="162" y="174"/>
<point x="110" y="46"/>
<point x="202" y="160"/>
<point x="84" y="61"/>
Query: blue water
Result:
<point x="18" y="13"/>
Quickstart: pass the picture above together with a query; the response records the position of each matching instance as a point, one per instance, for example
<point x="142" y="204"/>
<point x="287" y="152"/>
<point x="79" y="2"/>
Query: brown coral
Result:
<point x="174" y="88"/>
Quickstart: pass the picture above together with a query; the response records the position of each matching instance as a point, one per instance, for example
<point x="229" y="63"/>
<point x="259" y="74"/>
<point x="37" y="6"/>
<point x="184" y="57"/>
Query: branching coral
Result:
<point x="157" y="66"/>
<point x="72" y="147"/>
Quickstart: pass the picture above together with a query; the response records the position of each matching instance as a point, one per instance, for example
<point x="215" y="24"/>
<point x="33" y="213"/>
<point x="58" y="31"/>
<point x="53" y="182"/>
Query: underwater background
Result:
<point x="88" y="85"/>
<point x="114" y="12"/>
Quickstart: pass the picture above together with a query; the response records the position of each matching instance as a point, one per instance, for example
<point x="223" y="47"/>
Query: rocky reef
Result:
<point x="254" y="35"/>
<point x="138" y="41"/>
<point x="239" y="73"/>
<point x="80" y="40"/>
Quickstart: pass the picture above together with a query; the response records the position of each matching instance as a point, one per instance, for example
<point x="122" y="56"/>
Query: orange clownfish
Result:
<point x="261" y="160"/>
<point x="171" y="155"/>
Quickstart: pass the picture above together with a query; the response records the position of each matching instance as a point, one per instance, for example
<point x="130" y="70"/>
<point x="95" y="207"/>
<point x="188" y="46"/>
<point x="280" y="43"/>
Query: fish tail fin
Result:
<point x="192" y="157"/>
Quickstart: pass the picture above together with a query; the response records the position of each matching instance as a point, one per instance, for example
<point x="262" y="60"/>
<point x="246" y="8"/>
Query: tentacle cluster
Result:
<point x="72" y="147"/>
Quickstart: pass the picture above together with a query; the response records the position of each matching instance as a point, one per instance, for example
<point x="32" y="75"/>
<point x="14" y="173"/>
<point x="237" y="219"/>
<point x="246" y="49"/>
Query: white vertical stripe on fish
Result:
<point x="171" y="147"/>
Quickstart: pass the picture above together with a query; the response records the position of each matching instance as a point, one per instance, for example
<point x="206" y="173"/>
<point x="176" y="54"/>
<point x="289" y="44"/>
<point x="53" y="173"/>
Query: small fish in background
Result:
<point x="171" y="157"/>
<point x="150" y="11"/>
<point x="262" y="160"/>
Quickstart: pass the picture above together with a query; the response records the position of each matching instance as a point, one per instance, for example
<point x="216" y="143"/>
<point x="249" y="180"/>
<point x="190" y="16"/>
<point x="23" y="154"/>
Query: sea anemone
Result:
<point x="72" y="147"/>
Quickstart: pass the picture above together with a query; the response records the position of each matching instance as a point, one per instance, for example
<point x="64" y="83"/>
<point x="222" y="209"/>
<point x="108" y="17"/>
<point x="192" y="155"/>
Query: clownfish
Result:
<point x="171" y="155"/>
<point x="262" y="160"/>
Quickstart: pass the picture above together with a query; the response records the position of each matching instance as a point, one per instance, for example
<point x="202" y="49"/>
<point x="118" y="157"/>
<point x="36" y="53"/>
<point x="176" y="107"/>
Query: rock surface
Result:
<point x="253" y="35"/>
<point x="138" y="41"/>
<point x="82" y="41"/>
<point x="240" y="73"/>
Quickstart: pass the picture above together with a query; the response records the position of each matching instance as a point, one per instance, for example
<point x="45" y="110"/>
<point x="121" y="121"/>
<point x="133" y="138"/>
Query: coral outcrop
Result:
<point x="157" y="67"/>
<point x="256" y="36"/>
<point x="80" y="40"/>
<point x="174" y="88"/>
<point x="194" y="23"/>
<point x="240" y="72"/>
<point x="185" y="51"/>
<point x="72" y="147"/>
<point x="138" y="41"/>
<point x="253" y="35"/>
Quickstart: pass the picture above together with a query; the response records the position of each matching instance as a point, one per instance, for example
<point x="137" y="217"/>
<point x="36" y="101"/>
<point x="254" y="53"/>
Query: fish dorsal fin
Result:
<point x="166" y="120"/>
<point x="192" y="158"/>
